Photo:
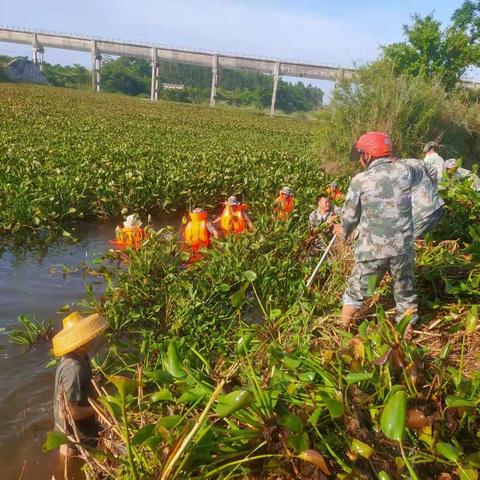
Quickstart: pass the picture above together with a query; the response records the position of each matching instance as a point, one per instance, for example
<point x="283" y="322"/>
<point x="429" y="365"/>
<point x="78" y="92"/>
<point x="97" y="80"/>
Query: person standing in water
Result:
<point x="76" y="344"/>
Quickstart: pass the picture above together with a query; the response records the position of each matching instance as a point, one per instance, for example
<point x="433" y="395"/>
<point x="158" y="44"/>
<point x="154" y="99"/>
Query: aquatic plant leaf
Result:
<point x="124" y="385"/>
<point x="298" y="442"/>
<point x="402" y="325"/>
<point x="159" y="376"/>
<point x="316" y="458"/>
<point x="292" y="423"/>
<point x="51" y="363"/>
<point x="239" y="296"/>
<point x="473" y="459"/>
<point x="453" y="401"/>
<point x="172" y="363"/>
<point x="292" y="363"/>
<point x="223" y="287"/>
<point x="230" y="403"/>
<point x="143" y="434"/>
<point x="358" y="377"/>
<point x="472" y="319"/>
<point x="54" y="440"/>
<point x="467" y="473"/>
<point x="163" y="395"/>
<point x="394" y="416"/>
<point x="335" y="407"/>
<point x="169" y="422"/>
<point x="372" y="284"/>
<point x="449" y="451"/>
<point x="275" y="313"/>
<point x="306" y="377"/>
<point x="362" y="449"/>
<point x="243" y="344"/>
<point x="250" y="276"/>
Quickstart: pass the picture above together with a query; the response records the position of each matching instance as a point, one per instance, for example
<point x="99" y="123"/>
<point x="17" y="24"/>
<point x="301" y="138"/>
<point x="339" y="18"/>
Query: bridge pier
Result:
<point x="213" y="93"/>
<point x="38" y="51"/>
<point x="155" y="70"/>
<point x="96" y="65"/>
<point x="276" y="77"/>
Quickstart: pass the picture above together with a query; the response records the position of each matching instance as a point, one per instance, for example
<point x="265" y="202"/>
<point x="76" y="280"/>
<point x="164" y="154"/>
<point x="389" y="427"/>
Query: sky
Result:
<point x="343" y="32"/>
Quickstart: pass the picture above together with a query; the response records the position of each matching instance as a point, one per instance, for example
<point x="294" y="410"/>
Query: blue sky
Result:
<point x="343" y="32"/>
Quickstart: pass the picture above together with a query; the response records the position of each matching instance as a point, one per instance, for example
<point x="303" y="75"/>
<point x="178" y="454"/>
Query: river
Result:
<point x="32" y="282"/>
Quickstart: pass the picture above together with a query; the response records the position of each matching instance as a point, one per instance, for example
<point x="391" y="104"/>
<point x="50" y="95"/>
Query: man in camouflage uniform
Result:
<point x="427" y="205"/>
<point x="378" y="206"/>
<point x="324" y="213"/>
<point x="321" y="222"/>
<point x="434" y="162"/>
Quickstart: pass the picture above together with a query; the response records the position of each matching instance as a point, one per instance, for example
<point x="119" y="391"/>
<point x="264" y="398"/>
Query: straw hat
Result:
<point x="77" y="331"/>
<point x="287" y="191"/>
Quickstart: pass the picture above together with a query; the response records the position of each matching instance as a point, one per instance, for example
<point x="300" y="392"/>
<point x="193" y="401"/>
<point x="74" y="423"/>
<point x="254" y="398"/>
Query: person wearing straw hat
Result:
<point x="76" y="343"/>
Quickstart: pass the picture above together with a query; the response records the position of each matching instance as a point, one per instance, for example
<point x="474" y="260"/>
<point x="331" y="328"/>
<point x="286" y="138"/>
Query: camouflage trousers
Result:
<point x="366" y="276"/>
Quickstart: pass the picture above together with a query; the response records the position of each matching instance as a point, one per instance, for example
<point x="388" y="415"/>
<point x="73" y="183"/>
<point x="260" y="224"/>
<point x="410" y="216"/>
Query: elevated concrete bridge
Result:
<point x="39" y="40"/>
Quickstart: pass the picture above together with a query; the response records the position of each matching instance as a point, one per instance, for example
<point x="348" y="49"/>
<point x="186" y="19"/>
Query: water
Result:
<point x="32" y="282"/>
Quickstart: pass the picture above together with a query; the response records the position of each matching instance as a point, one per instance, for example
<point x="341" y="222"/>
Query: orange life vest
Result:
<point x="283" y="206"/>
<point x="196" y="234"/>
<point x="129" y="237"/>
<point x="232" y="219"/>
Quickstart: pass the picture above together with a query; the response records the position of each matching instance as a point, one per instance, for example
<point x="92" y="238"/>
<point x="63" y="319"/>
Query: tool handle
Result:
<point x="325" y="253"/>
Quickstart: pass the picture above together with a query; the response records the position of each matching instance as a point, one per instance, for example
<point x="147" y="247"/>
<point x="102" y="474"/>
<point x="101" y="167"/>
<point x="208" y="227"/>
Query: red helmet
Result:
<point x="375" y="144"/>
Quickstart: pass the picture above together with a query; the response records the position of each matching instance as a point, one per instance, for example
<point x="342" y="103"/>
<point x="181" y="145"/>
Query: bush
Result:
<point x="413" y="110"/>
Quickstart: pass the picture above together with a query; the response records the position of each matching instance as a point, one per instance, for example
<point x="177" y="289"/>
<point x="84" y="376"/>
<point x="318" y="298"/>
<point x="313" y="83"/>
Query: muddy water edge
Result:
<point x="38" y="282"/>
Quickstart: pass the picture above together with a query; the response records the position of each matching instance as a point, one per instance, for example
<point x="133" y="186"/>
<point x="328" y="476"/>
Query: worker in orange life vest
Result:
<point x="130" y="233"/>
<point x="234" y="218"/>
<point x="335" y="194"/>
<point x="198" y="233"/>
<point x="283" y="205"/>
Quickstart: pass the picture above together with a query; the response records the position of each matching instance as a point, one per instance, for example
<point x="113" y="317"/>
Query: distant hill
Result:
<point x="132" y="77"/>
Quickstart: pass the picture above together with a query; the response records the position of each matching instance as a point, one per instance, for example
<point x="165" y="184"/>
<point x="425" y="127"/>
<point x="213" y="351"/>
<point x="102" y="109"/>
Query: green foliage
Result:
<point x="411" y="109"/>
<point x="429" y="51"/>
<point x="120" y="153"/>
<point x="74" y="76"/>
<point x="31" y="332"/>
<point x="467" y="19"/>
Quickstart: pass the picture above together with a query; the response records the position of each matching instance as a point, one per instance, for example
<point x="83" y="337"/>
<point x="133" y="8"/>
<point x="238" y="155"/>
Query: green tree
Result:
<point x="430" y="51"/>
<point x="467" y="19"/>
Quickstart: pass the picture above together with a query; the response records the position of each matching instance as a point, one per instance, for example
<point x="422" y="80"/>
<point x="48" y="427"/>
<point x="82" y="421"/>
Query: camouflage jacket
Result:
<point x="425" y="197"/>
<point x="435" y="166"/>
<point x="316" y="218"/>
<point x="379" y="207"/>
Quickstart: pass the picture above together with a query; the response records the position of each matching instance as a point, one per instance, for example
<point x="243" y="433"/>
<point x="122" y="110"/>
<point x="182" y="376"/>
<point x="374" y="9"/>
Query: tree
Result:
<point x="430" y="51"/>
<point x="467" y="19"/>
